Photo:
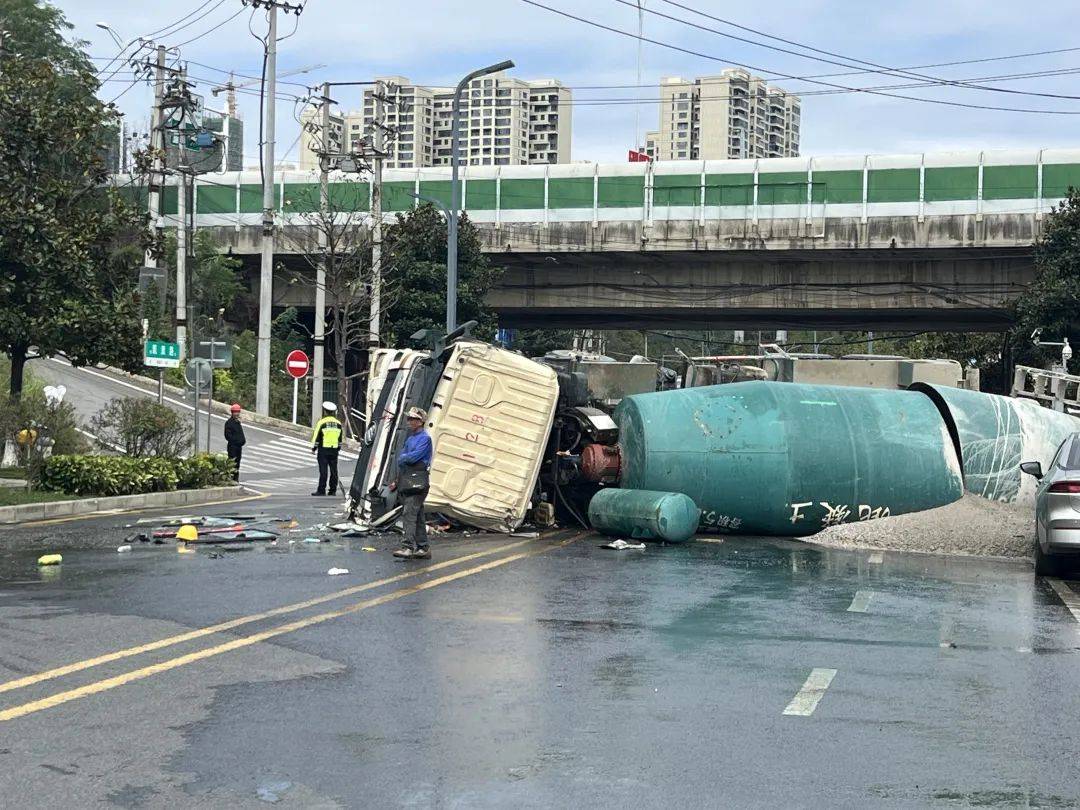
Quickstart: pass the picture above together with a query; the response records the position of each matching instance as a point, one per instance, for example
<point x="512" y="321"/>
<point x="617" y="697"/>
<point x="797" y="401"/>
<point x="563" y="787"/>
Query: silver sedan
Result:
<point x="1057" y="508"/>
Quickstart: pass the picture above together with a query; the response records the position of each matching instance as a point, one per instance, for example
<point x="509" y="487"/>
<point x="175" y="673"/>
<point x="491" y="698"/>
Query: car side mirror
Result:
<point x="1032" y="468"/>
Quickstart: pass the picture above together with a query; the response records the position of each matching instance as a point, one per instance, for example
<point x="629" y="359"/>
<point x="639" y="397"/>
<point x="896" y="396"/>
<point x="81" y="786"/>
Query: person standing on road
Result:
<point x="325" y="443"/>
<point x="234" y="439"/>
<point x="414" y="464"/>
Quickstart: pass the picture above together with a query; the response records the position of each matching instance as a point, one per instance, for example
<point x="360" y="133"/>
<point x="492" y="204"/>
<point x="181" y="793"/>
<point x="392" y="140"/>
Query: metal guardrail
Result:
<point x="1050" y="388"/>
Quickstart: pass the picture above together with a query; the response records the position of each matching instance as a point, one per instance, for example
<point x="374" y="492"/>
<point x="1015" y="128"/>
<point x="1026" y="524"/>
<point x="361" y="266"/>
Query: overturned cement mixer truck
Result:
<point x="553" y="439"/>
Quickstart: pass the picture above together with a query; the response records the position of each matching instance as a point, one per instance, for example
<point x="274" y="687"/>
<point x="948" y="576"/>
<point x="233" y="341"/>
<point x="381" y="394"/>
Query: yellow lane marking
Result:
<point x="246" y="641"/>
<point x="77" y="666"/>
<point x="135" y="510"/>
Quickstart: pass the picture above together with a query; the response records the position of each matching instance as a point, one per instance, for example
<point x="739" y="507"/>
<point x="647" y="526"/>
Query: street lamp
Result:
<point x="108" y="28"/>
<point x="119" y="43"/>
<point x="451" y="285"/>
<point x="455" y="205"/>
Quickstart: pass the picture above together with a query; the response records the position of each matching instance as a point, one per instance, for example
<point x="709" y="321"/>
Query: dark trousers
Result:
<point x="235" y="451"/>
<point x="412" y="520"/>
<point x="327" y="463"/>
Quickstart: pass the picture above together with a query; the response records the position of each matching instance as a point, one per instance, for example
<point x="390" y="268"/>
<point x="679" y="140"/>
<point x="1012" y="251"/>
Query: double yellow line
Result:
<point x="246" y="641"/>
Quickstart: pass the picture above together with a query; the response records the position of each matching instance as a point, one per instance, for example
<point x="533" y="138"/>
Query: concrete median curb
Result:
<point x="49" y="510"/>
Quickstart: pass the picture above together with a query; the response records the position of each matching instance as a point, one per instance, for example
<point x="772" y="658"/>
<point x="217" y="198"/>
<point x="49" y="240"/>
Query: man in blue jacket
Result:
<point x="415" y="457"/>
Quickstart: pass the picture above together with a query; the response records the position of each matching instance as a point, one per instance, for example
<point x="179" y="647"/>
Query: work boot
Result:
<point x="404" y="553"/>
<point x="318" y="494"/>
<point x="421" y="554"/>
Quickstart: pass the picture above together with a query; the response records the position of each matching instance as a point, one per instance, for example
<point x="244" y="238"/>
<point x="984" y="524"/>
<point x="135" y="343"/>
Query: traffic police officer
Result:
<point x="325" y="443"/>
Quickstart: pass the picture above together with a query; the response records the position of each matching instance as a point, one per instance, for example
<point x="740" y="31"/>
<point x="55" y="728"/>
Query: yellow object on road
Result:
<point x="187" y="533"/>
<point x="50" y="559"/>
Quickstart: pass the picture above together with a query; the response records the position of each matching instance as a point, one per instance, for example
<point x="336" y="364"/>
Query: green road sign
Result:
<point x="161" y="354"/>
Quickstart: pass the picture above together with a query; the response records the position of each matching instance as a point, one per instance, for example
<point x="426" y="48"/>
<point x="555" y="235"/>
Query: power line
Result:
<point x="996" y="77"/>
<point x="238" y="75"/>
<point x="723" y="60"/>
<point x="158" y="31"/>
<point x="212" y="30"/>
<point x="874" y="67"/>
<point x="161" y="31"/>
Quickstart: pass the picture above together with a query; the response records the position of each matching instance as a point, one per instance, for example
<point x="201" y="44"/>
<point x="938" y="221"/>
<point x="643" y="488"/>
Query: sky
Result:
<point x="437" y="41"/>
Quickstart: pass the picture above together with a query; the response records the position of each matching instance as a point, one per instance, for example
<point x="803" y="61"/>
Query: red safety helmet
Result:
<point x="235" y="408"/>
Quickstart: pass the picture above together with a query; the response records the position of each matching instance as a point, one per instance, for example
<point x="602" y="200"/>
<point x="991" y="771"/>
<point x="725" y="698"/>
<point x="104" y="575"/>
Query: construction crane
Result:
<point x="230" y="87"/>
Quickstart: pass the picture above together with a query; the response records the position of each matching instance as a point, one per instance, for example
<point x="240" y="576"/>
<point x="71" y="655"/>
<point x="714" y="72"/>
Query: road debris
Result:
<point x="367" y="548"/>
<point x="335" y="572"/>
<point x="622" y="545"/>
<point x="312" y="540"/>
<point x="187" y="533"/>
<point x="123" y="548"/>
<point x="50" y="559"/>
<point x="271" y="792"/>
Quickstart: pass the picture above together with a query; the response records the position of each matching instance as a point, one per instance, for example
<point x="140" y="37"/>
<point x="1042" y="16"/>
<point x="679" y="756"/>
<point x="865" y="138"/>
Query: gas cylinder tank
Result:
<point x="788" y="459"/>
<point x="644" y="515"/>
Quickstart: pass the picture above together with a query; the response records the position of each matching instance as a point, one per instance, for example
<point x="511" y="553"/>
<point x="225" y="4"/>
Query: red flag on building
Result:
<point x="637" y="156"/>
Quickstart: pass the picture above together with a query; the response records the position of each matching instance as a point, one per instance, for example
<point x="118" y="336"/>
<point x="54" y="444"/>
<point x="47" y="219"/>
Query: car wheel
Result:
<point x="1046" y="565"/>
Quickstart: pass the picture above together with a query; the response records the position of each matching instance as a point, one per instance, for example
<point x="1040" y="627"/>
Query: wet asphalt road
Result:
<point x="541" y="673"/>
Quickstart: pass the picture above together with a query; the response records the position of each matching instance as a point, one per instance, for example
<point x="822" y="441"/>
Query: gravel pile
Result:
<point x="972" y="525"/>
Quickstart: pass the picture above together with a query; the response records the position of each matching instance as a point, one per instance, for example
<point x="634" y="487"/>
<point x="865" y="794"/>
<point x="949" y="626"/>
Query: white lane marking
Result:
<point x="294" y="440"/>
<point x="807" y="698"/>
<point x="860" y="602"/>
<point x="877" y="558"/>
<point x="110" y="445"/>
<point x="1066" y="595"/>
<point x="279" y="455"/>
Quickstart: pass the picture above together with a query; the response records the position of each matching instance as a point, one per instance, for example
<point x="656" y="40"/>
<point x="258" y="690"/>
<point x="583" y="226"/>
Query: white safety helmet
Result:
<point x="329" y="407"/>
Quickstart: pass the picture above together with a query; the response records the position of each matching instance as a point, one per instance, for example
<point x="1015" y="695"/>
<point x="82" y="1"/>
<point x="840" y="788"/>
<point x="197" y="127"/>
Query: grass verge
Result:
<point x="13" y="496"/>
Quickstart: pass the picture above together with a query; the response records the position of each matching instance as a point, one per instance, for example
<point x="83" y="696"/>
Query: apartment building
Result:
<point x="732" y="115"/>
<point x="505" y="122"/>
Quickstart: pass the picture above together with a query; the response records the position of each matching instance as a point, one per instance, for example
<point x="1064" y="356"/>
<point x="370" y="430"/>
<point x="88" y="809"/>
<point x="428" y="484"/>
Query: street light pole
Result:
<point x="455" y="196"/>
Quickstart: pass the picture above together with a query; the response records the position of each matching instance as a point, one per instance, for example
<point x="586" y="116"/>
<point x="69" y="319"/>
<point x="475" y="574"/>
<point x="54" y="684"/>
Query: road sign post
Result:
<point x="161" y="354"/>
<point x="296" y="366"/>
<point x="220" y="356"/>
<point x="198" y="374"/>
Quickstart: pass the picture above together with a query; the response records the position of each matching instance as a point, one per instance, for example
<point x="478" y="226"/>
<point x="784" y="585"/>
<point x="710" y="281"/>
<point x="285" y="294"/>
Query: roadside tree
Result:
<point x="65" y="286"/>
<point x="416" y="246"/>
<point x="139" y="427"/>
<point x="338" y="240"/>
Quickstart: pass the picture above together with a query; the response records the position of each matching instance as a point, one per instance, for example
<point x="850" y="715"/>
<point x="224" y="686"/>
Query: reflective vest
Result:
<point x="327" y="434"/>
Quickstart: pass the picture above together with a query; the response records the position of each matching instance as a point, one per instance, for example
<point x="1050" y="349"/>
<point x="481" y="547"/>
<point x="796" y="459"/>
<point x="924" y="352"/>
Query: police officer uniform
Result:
<point x="325" y="443"/>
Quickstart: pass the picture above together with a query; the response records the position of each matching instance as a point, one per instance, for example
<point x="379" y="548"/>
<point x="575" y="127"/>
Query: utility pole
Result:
<point x="181" y="260"/>
<point x="318" y="364"/>
<point x="266" y="267"/>
<point x="157" y="145"/>
<point x="182" y="236"/>
<point x="378" y="144"/>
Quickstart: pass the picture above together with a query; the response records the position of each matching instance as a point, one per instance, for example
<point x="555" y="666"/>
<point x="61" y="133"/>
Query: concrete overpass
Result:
<point x="872" y="241"/>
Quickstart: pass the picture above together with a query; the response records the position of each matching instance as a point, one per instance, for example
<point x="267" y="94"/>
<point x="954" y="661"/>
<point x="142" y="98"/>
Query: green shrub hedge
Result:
<point x="120" y="475"/>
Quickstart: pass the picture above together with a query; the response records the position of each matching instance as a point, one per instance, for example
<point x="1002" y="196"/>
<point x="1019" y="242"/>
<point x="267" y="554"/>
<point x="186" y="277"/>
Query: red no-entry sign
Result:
<point x="297" y="364"/>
